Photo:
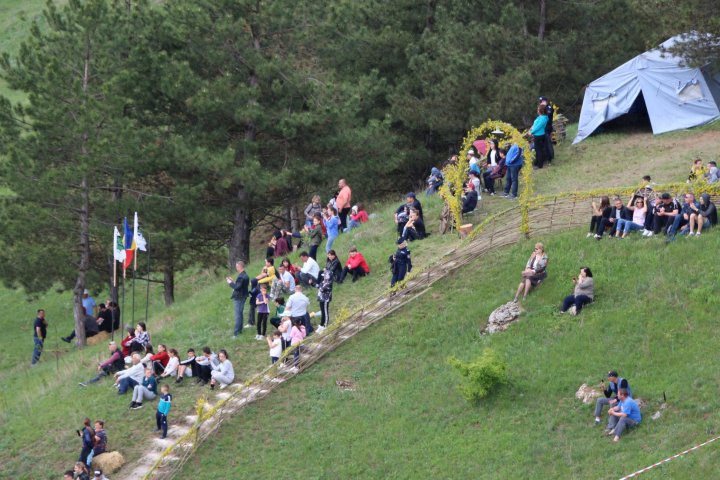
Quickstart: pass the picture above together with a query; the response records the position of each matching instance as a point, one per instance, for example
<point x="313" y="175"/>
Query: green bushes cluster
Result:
<point x="482" y="375"/>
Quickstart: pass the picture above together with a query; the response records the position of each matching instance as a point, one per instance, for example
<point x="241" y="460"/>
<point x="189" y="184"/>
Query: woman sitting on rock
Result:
<point x="534" y="272"/>
<point x="582" y="294"/>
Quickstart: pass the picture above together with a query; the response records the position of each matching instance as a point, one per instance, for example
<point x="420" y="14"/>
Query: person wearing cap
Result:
<point x="401" y="262"/>
<point x="624" y="415"/>
<point x="402" y="214"/>
<point x="99" y="475"/>
<point x="664" y="213"/>
<point x="358" y="215"/>
<point x="473" y="161"/>
<point x="88" y="303"/>
<point x="343" y="202"/>
<point x="470" y="199"/>
<point x="615" y="383"/>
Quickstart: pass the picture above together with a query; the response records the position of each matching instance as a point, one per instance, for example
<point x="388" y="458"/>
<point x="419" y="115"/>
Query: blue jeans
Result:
<point x="579" y="301"/>
<point x="511" y="180"/>
<point x="351" y="224"/>
<point x="239" y="307"/>
<point x="678" y="222"/>
<point x="627" y="226"/>
<point x="125" y="384"/>
<point x="37" y="351"/>
<point x="328" y="245"/>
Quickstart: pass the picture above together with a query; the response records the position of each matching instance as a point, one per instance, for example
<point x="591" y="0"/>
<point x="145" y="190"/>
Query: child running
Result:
<point x="163" y="409"/>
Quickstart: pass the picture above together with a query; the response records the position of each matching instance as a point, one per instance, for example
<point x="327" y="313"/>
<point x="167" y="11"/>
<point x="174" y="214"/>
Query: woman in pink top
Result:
<point x="297" y="335"/>
<point x="342" y="202"/>
<point x="639" y="210"/>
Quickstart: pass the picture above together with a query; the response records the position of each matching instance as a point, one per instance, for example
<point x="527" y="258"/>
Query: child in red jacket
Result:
<point x="356" y="266"/>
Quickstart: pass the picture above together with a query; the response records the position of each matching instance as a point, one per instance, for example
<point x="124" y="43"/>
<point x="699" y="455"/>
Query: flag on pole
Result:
<point x="138" y="238"/>
<point x="118" y="247"/>
<point x="128" y="243"/>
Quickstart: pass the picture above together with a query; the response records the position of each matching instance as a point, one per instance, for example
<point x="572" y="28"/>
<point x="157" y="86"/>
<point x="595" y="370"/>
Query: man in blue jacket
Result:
<point x="514" y="162"/>
<point x="624" y="415"/>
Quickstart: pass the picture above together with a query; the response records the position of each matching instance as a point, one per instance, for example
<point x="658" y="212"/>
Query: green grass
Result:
<point x="654" y="319"/>
<point x="41" y="407"/>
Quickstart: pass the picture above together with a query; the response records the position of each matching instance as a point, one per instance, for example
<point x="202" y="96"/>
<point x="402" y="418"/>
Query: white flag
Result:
<point x="139" y="240"/>
<point x="118" y="248"/>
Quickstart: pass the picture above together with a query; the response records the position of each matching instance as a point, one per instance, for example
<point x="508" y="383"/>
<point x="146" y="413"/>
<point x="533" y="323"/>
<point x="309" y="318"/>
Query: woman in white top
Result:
<point x="285" y="329"/>
<point x="222" y="373"/>
<point x="639" y="210"/>
<point x="172" y="365"/>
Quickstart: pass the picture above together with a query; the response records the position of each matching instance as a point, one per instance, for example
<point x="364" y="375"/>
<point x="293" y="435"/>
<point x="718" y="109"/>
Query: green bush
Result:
<point x="481" y="375"/>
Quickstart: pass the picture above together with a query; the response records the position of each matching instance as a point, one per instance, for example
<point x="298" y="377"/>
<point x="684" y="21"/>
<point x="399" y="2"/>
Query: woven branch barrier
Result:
<point x="540" y="215"/>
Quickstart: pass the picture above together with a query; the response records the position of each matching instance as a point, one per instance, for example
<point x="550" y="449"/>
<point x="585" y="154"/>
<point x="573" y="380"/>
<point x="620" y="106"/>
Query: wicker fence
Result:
<point x="544" y="215"/>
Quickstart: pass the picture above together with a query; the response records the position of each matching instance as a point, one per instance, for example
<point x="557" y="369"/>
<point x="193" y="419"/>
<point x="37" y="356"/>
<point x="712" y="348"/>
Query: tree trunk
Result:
<point x="294" y="220"/>
<point x="543" y="19"/>
<point x="430" y="19"/>
<point x="84" y="264"/>
<point x="113" y="289"/>
<point x="169" y="283"/>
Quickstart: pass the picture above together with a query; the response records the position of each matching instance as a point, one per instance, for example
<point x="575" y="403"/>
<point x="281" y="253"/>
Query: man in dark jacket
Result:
<point x="402" y="214"/>
<point x="113" y="364"/>
<point x="401" y="261"/>
<point x="618" y="211"/>
<point x="664" y="214"/>
<point x="239" y="295"/>
<point x="690" y="207"/>
<point x="615" y="383"/>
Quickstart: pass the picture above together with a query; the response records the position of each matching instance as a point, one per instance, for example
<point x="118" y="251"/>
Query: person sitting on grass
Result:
<point x="130" y="377"/>
<point x="126" y="343"/>
<point x="611" y="392"/>
<point x="696" y="171"/>
<point x="147" y="390"/>
<point x="205" y="363"/>
<point x="618" y="212"/>
<point x="160" y="360"/>
<point x="332" y="264"/>
<point x="279" y="309"/>
<point x="600" y="211"/>
<point x="474" y="182"/>
<point x="223" y="372"/>
<point x="705" y="217"/>
<point x="582" y="294"/>
<point x="358" y="216"/>
<point x="356" y="266"/>
<point x="470" y="199"/>
<point x="434" y="181"/>
<point x="309" y="272"/>
<point x="402" y="214"/>
<point x="163" y="410"/>
<point x="171" y="369"/>
<point x="187" y="367"/>
<point x="267" y="275"/>
<point x="534" y="272"/>
<point x="664" y="213"/>
<point x="625" y="414"/>
<point x="91" y="329"/>
<point x="113" y="364"/>
<point x="689" y="207"/>
<point x="414" y="228"/>
<point x="639" y="210"/>
<point x="142" y="338"/>
<point x="284" y="284"/>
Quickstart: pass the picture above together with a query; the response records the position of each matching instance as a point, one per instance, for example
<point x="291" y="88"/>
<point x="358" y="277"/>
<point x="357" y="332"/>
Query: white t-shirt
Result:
<point x="286" y="333"/>
<point x="287" y="277"/>
<point x="311" y="267"/>
<point x="276" y="348"/>
<point x="172" y="366"/>
<point x="476" y="183"/>
<point x="297" y="304"/>
<point x="493" y="160"/>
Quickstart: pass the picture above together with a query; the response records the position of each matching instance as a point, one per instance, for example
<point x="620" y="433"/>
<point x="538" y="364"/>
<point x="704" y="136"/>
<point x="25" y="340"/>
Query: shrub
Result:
<point x="481" y="375"/>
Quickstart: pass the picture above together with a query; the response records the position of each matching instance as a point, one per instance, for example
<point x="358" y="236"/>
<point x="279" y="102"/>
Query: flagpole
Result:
<point x="122" y="312"/>
<point x="147" y="294"/>
<point x="133" y="298"/>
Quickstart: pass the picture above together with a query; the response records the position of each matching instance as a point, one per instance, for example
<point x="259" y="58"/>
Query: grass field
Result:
<point x="653" y="320"/>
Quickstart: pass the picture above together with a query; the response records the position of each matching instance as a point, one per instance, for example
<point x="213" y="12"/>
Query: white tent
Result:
<point x="676" y="96"/>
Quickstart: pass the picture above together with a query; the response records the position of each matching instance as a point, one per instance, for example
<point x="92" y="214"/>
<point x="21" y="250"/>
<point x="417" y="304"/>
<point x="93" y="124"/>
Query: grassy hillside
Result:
<point x="653" y="320"/>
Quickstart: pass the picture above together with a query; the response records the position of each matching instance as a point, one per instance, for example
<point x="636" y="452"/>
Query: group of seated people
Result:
<point x="688" y="216"/>
<point x="107" y="319"/>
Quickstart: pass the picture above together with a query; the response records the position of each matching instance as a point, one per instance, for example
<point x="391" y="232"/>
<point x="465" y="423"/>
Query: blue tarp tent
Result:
<point x="676" y="96"/>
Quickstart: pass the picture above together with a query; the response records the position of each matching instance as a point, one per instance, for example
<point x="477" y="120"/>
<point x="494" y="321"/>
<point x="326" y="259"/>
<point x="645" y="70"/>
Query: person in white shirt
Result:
<point x="285" y="329"/>
<point x="285" y="284"/>
<point x="296" y="306"/>
<point x="310" y="270"/>
<point x="275" y="345"/>
<point x="222" y="373"/>
<point x="172" y="365"/>
<point x="130" y="376"/>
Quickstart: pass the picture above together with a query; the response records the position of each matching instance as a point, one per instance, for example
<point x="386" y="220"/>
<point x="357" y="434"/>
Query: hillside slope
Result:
<point x="653" y="320"/>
